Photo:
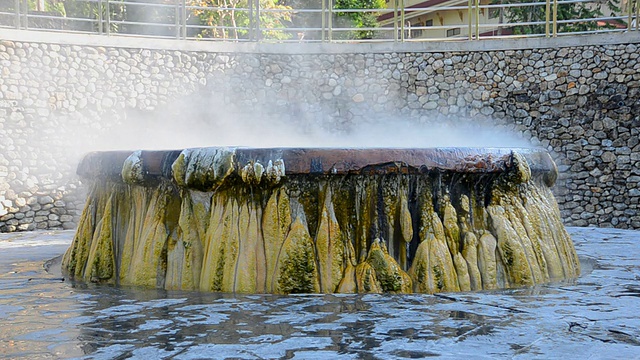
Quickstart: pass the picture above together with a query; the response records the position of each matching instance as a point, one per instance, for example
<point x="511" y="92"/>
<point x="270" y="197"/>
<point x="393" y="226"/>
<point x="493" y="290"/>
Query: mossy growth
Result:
<point x="366" y="279"/>
<point x="219" y="272"/>
<point x="101" y="254"/>
<point x="343" y="199"/>
<point x="298" y="272"/>
<point x="438" y="276"/>
<point x="309" y="192"/>
<point x="75" y="257"/>
<point x="387" y="270"/>
<point x="298" y="275"/>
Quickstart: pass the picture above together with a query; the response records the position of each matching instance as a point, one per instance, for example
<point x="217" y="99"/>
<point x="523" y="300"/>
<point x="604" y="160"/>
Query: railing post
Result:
<point x="477" y="19"/>
<point x="330" y="20"/>
<point x="176" y="19"/>
<point x="16" y="21"/>
<point x="251" y="30"/>
<point x="100" y="18"/>
<point x="547" y="18"/>
<point x="184" y="19"/>
<point x="633" y="15"/>
<point x="555" y="18"/>
<point x="258" y="31"/>
<point x="637" y="14"/>
<point x="629" y="12"/>
<point x="108" y="15"/>
<point x="25" y="15"/>
<point x="470" y="14"/>
<point x="395" y="20"/>
<point x="402" y="20"/>
<point x="323" y="20"/>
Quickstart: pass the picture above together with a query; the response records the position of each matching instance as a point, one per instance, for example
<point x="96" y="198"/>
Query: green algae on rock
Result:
<point x="333" y="220"/>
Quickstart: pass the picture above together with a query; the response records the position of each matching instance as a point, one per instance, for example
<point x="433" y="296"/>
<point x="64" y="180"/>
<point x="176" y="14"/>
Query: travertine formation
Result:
<point x="321" y="220"/>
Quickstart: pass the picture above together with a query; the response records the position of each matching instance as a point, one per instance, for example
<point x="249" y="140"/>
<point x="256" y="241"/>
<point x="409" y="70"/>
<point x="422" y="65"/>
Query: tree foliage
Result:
<point x="72" y="13"/>
<point x="230" y="19"/>
<point x="359" y="19"/>
<point x="574" y="11"/>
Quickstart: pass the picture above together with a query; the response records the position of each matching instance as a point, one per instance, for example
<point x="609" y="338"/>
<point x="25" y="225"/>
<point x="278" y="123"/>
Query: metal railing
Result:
<point x="269" y="21"/>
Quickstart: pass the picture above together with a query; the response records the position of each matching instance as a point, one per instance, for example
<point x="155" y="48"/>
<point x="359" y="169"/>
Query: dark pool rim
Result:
<point x="332" y="161"/>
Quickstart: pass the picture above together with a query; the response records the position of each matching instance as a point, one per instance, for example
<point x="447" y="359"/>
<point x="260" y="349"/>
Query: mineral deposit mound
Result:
<point x="321" y="220"/>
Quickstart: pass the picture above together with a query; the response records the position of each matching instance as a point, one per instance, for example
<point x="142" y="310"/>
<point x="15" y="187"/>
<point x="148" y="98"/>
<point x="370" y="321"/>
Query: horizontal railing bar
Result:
<point x="506" y="37"/>
<point x="504" y="25"/>
<point x="591" y="32"/>
<point x="538" y="3"/>
<point x="150" y="36"/>
<point x="293" y="29"/>
<point x="303" y="11"/>
<point x="191" y="7"/>
<point x="563" y="2"/>
<point x="293" y="11"/>
<point x="509" y="5"/>
<point x="140" y="4"/>
<point x="590" y="19"/>
<point x="142" y="23"/>
<point x="349" y="11"/>
<point x="450" y="38"/>
<point x="137" y="2"/>
<point x="361" y="40"/>
<point x="488" y="6"/>
<point x="30" y="16"/>
<point x="431" y="9"/>
<point x="218" y="27"/>
<point x="363" y="29"/>
<point x="56" y="30"/>
<point x="528" y="23"/>
<point x="292" y="41"/>
<point x="439" y="27"/>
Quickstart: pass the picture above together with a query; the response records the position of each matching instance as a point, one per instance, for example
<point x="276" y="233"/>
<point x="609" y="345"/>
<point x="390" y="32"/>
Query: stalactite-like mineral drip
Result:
<point x="333" y="220"/>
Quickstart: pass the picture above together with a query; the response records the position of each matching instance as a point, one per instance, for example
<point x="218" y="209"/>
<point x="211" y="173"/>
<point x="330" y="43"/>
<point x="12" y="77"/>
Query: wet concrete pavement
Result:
<point x="595" y="317"/>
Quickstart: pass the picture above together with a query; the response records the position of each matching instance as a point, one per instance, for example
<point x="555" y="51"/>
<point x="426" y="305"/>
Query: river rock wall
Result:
<point x="59" y="99"/>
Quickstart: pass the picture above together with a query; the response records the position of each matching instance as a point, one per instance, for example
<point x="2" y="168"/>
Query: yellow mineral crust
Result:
<point x="297" y="271"/>
<point x="203" y="168"/>
<point x="276" y="220"/>
<point x="220" y="225"/>
<point x="330" y="247"/>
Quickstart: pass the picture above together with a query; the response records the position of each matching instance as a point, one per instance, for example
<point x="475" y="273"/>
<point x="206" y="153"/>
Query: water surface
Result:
<point x="595" y="316"/>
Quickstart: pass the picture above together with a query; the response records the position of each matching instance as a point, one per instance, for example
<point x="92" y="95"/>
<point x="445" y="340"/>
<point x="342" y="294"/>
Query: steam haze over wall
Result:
<point x="311" y="101"/>
<point x="196" y="122"/>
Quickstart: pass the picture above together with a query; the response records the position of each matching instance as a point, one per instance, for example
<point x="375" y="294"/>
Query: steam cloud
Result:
<point x="196" y="124"/>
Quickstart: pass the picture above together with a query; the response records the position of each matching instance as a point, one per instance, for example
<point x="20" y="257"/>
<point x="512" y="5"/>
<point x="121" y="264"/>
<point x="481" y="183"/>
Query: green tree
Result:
<point x="229" y="19"/>
<point x="74" y="14"/>
<point x="537" y="13"/>
<point x="358" y="19"/>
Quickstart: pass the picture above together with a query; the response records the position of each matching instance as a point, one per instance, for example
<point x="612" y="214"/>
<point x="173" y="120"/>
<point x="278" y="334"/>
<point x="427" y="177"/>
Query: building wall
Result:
<point x="452" y="19"/>
<point x="458" y="19"/>
<point x="63" y="95"/>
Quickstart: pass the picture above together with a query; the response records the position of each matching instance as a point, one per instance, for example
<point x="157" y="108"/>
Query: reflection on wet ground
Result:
<point x="596" y="316"/>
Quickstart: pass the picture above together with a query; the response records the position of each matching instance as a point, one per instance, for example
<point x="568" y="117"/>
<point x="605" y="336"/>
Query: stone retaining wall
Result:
<point x="60" y="98"/>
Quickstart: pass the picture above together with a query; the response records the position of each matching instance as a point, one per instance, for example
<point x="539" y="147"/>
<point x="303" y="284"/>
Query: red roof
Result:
<point x="614" y="23"/>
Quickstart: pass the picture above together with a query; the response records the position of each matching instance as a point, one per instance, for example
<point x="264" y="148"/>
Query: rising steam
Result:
<point x="201" y="125"/>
